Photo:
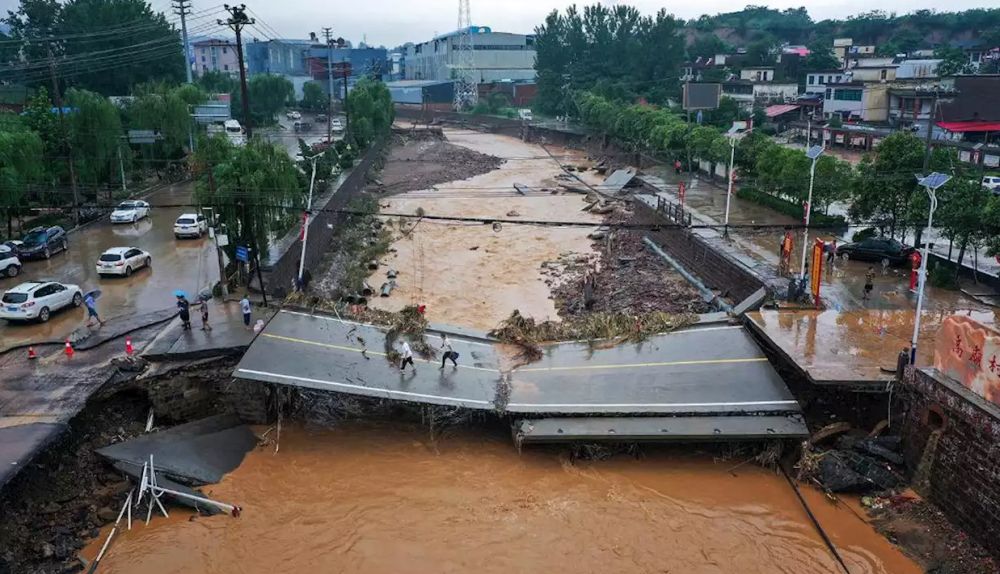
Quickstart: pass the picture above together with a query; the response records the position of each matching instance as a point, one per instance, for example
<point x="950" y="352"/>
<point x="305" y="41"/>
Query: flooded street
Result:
<point x="368" y="497"/>
<point x="188" y="264"/>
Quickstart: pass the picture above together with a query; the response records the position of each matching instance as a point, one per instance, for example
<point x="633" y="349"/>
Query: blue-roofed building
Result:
<point x="499" y="56"/>
<point x="285" y="57"/>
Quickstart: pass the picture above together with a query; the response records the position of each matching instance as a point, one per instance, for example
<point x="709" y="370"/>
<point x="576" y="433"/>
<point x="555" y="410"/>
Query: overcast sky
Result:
<point x="393" y="22"/>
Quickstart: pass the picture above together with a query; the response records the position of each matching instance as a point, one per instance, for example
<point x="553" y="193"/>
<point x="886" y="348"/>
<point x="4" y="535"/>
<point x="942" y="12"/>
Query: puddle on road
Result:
<point x="368" y="497"/>
<point x="177" y="264"/>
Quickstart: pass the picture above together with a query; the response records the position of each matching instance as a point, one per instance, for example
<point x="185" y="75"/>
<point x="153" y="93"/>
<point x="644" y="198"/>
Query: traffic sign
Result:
<point x="242" y="253"/>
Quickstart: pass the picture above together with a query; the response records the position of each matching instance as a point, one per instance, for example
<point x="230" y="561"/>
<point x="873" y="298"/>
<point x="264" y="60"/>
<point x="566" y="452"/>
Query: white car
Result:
<point x="190" y="225"/>
<point x="38" y="300"/>
<point x="992" y="183"/>
<point x="122" y="261"/>
<point x="130" y="212"/>
<point x="336" y="125"/>
<point x="10" y="265"/>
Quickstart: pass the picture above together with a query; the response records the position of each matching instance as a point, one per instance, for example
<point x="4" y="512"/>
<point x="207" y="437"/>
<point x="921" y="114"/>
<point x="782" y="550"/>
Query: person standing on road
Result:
<point x="407" y="356"/>
<point x="91" y="304"/>
<point x="184" y="307"/>
<point x="831" y="251"/>
<point x="869" y="283"/>
<point x="204" y="316"/>
<point x="448" y="352"/>
<point x="247" y="310"/>
<point x="677" y="166"/>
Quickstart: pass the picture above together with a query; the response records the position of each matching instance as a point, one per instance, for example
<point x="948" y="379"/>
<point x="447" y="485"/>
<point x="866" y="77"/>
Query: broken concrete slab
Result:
<point x="751" y="303"/>
<point x="617" y="181"/>
<point x="200" y="452"/>
<point x="659" y="429"/>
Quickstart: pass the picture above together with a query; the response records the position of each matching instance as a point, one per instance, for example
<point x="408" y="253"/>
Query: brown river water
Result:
<point x="384" y="497"/>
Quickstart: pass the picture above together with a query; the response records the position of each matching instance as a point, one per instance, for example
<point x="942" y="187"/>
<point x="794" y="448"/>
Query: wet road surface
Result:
<point x="188" y="264"/>
<point x="372" y="498"/>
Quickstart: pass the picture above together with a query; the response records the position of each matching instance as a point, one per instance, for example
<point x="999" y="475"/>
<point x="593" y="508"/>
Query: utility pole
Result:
<point x="347" y="110"/>
<point x="930" y="131"/>
<point x="236" y="21"/>
<point x="57" y="99"/>
<point x="327" y="33"/>
<point x="182" y="8"/>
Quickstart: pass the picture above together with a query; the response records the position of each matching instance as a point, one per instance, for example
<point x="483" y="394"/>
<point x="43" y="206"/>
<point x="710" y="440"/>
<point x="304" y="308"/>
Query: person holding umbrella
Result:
<point x="184" y="309"/>
<point x="90" y="301"/>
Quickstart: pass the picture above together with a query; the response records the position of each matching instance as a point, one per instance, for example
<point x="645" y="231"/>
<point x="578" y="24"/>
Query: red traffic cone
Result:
<point x="128" y="346"/>
<point x="31" y="353"/>
<point x="69" y="349"/>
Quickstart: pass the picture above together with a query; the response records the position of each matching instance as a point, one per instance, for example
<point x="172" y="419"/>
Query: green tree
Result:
<point x="218" y="83"/>
<point x="166" y="110"/>
<point x="762" y="52"/>
<point x="369" y="106"/>
<point x="313" y="97"/>
<point x="22" y="164"/>
<point x="96" y="131"/>
<point x="707" y="46"/>
<point x="31" y="24"/>
<point x="269" y="93"/>
<point x="254" y="188"/>
<point x="963" y="203"/>
<point x="953" y="61"/>
<point x="886" y="183"/>
<point x="820" y="58"/>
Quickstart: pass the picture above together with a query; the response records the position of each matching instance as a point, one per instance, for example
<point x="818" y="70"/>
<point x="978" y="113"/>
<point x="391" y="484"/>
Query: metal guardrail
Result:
<point x="673" y="211"/>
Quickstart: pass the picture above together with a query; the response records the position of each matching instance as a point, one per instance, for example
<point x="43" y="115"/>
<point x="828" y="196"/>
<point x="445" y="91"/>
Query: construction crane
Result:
<point x="466" y="83"/>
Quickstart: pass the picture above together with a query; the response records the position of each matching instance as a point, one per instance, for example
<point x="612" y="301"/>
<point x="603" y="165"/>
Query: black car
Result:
<point x="876" y="249"/>
<point x="42" y="242"/>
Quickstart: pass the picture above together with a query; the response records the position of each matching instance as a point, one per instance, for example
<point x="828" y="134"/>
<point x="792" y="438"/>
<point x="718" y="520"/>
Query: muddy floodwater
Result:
<point x="368" y="497"/>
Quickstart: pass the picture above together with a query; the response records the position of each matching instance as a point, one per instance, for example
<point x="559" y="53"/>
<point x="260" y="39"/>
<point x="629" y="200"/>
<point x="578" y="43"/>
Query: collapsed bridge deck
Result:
<point x="701" y="371"/>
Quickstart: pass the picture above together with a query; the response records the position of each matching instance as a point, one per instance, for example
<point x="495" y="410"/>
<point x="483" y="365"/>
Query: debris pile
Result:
<point x="420" y="159"/>
<point x="614" y="328"/>
<point x="624" y="277"/>
<point x="856" y="463"/>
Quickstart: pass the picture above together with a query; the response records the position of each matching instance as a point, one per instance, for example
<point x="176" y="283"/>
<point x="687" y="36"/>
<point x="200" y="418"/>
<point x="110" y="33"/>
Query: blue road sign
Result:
<point x="243" y="253"/>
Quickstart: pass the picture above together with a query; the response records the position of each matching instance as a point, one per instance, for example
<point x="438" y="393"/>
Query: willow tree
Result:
<point x="21" y="165"/>
<point x="254" y="189"/>
<point x="95" y="130"/>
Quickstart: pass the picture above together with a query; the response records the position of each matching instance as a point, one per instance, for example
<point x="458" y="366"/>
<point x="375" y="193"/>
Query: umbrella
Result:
<point x="96" y="294"/>
<point x="179" y="293"/>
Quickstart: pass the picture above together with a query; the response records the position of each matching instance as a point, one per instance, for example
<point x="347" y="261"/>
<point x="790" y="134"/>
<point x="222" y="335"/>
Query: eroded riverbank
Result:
<point x="383" y="497"/>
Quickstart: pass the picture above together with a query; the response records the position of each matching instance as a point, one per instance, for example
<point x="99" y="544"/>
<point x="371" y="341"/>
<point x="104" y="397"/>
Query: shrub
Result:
<point x="750" y="193"/>
<point x="866" y="233"/>
<point x="942" y="276"/>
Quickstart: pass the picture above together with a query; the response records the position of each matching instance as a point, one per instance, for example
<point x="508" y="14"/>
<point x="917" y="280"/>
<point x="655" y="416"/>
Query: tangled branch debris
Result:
<point x="615" y="328"/>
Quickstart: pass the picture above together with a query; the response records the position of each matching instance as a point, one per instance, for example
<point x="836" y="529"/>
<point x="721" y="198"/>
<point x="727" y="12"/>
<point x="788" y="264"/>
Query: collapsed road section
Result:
<point x="711" y="371"/>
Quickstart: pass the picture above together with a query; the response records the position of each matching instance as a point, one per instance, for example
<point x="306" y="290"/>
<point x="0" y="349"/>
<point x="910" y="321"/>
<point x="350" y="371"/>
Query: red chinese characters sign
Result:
<point x="969" y="352"/>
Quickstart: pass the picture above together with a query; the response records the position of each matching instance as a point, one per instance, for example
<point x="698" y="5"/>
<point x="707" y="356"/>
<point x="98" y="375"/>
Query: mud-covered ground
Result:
<point x="61" y="499"/>
<point x="420" y="159"/>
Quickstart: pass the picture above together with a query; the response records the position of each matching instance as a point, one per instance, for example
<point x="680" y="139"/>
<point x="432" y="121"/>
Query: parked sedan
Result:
<point x="41" y="242"/>
<point x="38" y="300"/>
<point x="876" y="249"/>
<point x="130" y="212"/>
<point x="122" y="261"/>
<point x="10" y="265"/>
<point x="190" y="225"/>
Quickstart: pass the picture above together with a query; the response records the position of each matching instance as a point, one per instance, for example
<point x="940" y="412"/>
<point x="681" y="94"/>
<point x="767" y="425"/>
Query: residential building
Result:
<point x="911" y="101"/>
<point x="497" y="56"/>
<point x="857" y="101"/>
<point x="915" y="69"/>
<point x="816" y="82"/>
<point x="974" y="50"/>
<point x="972" y="113"/>
<point x="284" y="57"/>
<point x="757" y="74"/>
<point x="215" y="56"/>
<point x="873" y="70"/>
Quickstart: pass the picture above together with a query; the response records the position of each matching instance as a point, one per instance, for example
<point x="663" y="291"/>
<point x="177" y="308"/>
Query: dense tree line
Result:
<point x="882" y="189"/>
<point x="613" y="51"/>
<point x="104" y="46"/>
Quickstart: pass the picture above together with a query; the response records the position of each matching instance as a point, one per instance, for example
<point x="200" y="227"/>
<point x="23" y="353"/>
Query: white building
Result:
<point x="498" y="56"/>
<point x="916" y="69"/>
<point x="757" y="74"/>
<point x="856" y="101"/>
<point x="816" y="82"/>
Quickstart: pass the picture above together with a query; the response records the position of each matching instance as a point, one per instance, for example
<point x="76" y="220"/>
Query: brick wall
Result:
<point x="279" y="272"/>
<point x="951" y="441"/>
<point x="707" y="262"/>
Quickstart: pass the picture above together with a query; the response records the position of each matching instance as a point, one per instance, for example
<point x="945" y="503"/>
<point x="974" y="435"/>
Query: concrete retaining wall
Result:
<point x="951" y="436"/>
<point x="279" y="273"/>
<point x="708" y="262"/>
<point x="492" y="124"/>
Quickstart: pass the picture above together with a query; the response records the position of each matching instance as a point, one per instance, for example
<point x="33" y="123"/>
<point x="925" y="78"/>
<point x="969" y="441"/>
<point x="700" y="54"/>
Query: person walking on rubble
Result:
<point x="447" y="352"/>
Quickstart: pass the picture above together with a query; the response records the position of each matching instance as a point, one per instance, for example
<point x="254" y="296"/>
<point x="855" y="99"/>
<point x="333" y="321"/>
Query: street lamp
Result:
<point x="733" y="134"/>
<point x="305" y="219"/>
<point x="931" y="183"/>
<point x="812" y="153"/>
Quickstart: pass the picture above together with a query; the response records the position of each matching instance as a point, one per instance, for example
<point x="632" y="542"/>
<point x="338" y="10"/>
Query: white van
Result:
<point x="234" y="131"/>
<point x="524" y="114"/>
